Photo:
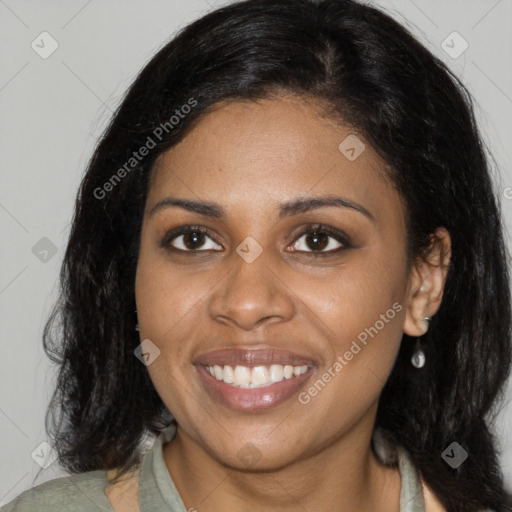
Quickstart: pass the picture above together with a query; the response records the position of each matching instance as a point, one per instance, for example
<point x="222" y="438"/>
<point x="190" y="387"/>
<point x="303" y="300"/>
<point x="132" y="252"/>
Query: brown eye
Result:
<point x="193" y="240"/>
<point x="317" y="241"/>
<point x="190" y="239"/>
<point x="321" y="239"/>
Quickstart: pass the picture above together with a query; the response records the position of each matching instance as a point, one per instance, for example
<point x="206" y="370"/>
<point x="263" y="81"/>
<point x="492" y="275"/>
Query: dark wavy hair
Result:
<point x="375" y="76"/>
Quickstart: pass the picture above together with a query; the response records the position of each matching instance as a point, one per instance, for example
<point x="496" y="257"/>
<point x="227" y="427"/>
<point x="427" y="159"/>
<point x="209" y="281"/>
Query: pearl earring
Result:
<point x="418" y="357"/>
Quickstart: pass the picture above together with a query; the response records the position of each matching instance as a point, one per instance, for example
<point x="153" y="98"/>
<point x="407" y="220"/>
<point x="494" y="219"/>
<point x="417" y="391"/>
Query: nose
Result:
<point x="252" y="294"/>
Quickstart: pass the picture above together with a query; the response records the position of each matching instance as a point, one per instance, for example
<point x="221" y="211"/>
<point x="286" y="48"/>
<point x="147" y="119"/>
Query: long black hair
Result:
<point x="373" y="75"/>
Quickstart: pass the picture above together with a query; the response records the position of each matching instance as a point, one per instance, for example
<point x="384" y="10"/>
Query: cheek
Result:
<point x="165" y="295"/>
<point x="362" y="307"/>
<point x="165" y="306"/>
<point x="162" y="301"/>
<point x="355" y="296"/>
<point x="361" y="310"/>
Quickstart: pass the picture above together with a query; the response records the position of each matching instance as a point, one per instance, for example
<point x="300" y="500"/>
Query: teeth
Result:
<point x="260" y="375"/>
<point x="256" y="377"/>
<point x="276" y="373"/>
<point x="218" y="373"/>
<point x="228" y="375"/>
<point x="242" y="375"/>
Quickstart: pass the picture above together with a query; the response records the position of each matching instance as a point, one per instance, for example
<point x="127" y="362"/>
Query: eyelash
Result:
<point x="339" y="236"/>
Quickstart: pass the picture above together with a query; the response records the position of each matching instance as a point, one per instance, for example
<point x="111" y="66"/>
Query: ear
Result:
<point x="426" y="283"/>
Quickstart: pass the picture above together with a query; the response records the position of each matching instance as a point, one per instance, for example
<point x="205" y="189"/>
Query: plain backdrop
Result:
<point x="54" y="109"/>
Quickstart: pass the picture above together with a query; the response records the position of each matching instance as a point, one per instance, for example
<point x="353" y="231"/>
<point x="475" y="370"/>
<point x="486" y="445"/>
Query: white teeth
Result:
<point x="242" y="376"/>
<point x="276" y="373"/>
<point x="256" y="377"/>
<point x="259" y="375"/>
<point x="229" y="376"/>
<point x="219" y="374"/>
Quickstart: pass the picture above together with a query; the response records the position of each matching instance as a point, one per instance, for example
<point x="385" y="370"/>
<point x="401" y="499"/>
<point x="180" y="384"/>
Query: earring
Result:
<point x="136" y="325"/>
<point x="418" y="357"/>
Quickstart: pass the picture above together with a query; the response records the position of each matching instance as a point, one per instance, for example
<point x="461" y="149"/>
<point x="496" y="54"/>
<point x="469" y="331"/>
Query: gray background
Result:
<point x="52" y="112"/>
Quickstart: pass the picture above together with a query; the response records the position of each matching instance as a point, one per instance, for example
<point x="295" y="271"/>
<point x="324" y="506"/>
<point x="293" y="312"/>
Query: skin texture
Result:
<point x="249" y="158"/>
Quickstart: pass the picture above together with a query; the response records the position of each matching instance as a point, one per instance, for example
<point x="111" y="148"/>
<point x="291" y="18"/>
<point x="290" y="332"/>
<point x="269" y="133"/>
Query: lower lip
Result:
<point x="256" y="399"/>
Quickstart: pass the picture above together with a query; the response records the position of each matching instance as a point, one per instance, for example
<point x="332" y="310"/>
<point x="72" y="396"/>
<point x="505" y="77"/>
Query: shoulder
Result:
<point x="81" y="492"/>
<point x="432" y="504"/>
<point x="124" y="494"/>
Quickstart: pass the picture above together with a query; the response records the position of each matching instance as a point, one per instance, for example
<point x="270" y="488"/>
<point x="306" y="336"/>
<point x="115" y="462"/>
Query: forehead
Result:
<point x="274" y="149"/>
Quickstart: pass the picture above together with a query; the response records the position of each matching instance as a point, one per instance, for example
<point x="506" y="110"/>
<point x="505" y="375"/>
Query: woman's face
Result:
<point x="259" y="293"/>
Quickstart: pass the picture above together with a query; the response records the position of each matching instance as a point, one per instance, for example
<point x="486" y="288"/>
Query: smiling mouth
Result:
<point x="247" y="377"/>
<point x="253" y="380"/>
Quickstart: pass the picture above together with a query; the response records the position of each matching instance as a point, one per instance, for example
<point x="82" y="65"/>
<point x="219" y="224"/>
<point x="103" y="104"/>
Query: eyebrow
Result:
<point x="289" y="208"/>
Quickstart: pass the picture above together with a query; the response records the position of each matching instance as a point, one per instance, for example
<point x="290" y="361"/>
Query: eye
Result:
<point x="318" y="239"/>
<point x="189" y="239"/>
<point x="321" y="239"/>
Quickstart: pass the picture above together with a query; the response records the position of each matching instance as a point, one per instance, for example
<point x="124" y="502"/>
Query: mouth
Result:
<point x="253" y="380"/>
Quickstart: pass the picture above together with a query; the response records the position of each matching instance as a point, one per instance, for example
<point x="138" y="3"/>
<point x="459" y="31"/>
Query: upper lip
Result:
<point x="252" y="357"/>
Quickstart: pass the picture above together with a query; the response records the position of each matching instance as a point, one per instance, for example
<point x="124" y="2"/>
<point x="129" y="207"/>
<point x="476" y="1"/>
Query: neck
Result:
<point x="343" y="475"/>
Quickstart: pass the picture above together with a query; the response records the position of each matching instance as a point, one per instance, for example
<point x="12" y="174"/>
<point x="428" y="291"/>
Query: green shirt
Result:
<point x="84" y="492"/>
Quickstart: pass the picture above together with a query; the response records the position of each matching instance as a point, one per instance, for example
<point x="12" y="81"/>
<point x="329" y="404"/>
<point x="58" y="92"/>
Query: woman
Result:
<point x="286" y="262"/>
